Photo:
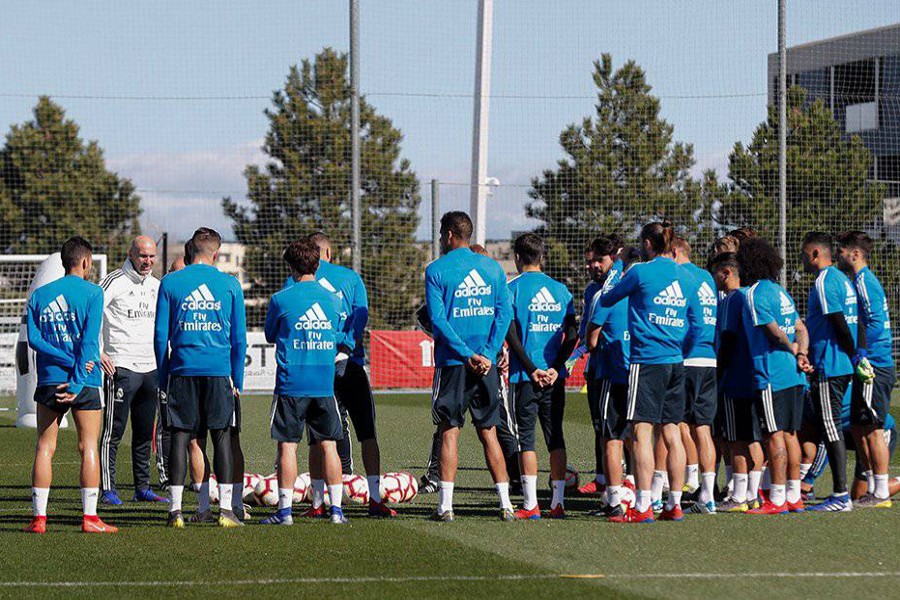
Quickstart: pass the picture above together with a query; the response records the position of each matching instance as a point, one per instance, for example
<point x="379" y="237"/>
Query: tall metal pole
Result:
<point x="478" y="193"/>
<point x="356" y="215"/>
<point x="435" y="219"/>
<point x="782" y="136"/>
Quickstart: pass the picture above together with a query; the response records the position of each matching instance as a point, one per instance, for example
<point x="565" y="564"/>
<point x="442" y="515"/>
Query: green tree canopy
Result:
<point x="305" y="187"/>
<point x="53" y="185"/>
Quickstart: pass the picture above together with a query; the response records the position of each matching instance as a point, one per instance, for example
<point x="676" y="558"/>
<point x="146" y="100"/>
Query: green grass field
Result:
<point x="737" y="556"/>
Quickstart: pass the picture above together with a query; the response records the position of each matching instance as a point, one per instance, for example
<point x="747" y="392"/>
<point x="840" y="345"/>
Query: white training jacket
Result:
<point x="129" y="315"/>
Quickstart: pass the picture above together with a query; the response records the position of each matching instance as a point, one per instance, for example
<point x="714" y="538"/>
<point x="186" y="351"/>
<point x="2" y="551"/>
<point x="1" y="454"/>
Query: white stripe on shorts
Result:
<point x="634" y="373"/>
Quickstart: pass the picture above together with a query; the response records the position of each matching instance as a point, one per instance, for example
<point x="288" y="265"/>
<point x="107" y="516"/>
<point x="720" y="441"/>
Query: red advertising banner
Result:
<point x="405" y="360"/>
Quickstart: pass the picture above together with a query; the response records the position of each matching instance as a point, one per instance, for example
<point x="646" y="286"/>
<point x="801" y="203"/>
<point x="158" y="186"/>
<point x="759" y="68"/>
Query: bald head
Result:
<point x="143" y="254"/>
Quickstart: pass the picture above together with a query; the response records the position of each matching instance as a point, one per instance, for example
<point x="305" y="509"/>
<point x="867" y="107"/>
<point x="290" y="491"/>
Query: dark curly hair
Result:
<point x="758" y="259"/>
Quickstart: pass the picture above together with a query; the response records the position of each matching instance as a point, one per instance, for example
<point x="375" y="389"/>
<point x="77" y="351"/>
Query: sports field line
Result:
<point x="463" y="578"/>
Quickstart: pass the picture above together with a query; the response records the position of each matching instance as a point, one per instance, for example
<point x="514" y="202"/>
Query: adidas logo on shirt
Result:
<point x="851" y="294"/>
<point x="671" y="296"/>
<point x="313" y="319"/>
<point x="57" y="311"/>
<point x="787" y="306"/>
<point x="544" y="301"/>
<point x="201" y="299"/>
<point x="473" y="285"/>
<point x="328" y="286"/>
<point x="707" y="295"/>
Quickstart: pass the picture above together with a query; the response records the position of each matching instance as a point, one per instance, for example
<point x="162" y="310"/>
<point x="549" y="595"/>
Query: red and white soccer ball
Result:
<point x="302" y="488"/>
<point x="213" y="489"/>
<point x="250" y="481"/>
<point x="266" y="491"/>
<point x="571" y="478"/>
<point x="356" y="488"/>
<point x="398" y="487"/>
<point x="627" y="497"/>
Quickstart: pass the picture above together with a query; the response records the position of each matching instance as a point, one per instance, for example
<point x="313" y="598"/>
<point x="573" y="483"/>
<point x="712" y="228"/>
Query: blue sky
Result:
<point x="174" y="91"/>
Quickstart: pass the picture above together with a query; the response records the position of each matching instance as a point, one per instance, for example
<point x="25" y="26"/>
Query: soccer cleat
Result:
<point x="656" y="506"/>
<point x="796" y="507"/>
<point x="317" y="512"/>
<point x="381" y="510"/>
<point x="870" y="501"/>
<point x="701" y="508"/>
<point x="202" y="517"/>
<point x="672" y="514"/>
<point x="281" y="517"/>
<point x="591" y="488"/>
<point x="767" y="508"/>
<point x="633" y="516"/>
<point x="427" y="486"/>
<point x="558" y="512"/>
<point x="175" y="520"/>
<point x="111" y="497"/>
<point x="753" y="504"/>
<point x="507" y="515"/>
<point x="93" y="524"/>
<point x="886" y="503"/>
<point x="37" y="525"/>
<point x="607" y="512"/>
<point x="530" y="514"/>
<point x="337" y="516"/>
<point x="442" y="517"/>
<point x="732" y="505"/>
<point x="148" y="496"/>
<point x="834" y="503"/>
<point x="228" y="519"/>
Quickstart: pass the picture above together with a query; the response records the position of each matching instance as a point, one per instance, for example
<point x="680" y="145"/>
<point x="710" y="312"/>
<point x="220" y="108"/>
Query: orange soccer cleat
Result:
<point x="93" y="524"/>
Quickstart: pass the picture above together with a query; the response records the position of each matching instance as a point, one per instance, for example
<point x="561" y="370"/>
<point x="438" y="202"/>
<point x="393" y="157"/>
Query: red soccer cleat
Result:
<point x="380" y="509"/>
<point x="558" y="512"/>
<point x="672" y="514"/>
<point x="591" y="488"/>
<point x="797" y="506"/>
<point x="37" y="525"/>
<point x="315" y="513"/>
<point x="633" y="516"/>
<point x="533" y="514"/>
<point x="769" y="509"/>
<point x="93" y="524"/>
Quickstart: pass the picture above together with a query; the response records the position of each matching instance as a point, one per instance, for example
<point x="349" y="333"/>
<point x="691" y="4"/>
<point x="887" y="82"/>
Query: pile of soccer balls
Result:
<point x="395" y="488"/>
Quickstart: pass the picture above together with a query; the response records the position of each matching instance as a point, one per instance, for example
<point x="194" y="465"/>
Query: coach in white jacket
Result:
<point x="131" y="384"/>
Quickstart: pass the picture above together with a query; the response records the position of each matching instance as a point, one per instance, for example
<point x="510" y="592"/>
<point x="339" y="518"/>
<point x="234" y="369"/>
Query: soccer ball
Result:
<point x="250" y="481"/>
<point x="266" y="491"/>
<point x="571" y="478"/>
<point x="398" y="487"/>
<point x="302" y="488"/>
<point x="627" y="497"/>
<point x="213" y="489"/>
<point x="356" y="488"/>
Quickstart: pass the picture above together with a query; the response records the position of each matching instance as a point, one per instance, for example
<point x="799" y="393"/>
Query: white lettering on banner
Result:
<point x="259" y="366"/>
<point x="427" y="347"/>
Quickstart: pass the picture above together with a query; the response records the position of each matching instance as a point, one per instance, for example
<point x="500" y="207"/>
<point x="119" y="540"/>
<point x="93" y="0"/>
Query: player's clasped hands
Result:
<point x="544" y="378"/>
<point x="479" y="364"/>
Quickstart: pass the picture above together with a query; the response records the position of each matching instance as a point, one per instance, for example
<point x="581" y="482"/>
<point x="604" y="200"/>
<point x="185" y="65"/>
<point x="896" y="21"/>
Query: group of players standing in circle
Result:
<point x="688" y="367"/>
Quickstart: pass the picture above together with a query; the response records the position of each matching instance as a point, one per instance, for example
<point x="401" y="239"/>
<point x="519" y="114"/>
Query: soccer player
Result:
<point x="657" y="322"/>
<point x="63" y="319"/>
<point x="129" y="312"/>
<point x="468" y="303"/>
<point x="832" y="321"/>
<point x="305" y="323"/>
<point x="541" y="336"/>
<point x="778" y="347"/>
<point x="200" y="344"/>
<point x="870" y="399"/>
<point x="700" y="377"/>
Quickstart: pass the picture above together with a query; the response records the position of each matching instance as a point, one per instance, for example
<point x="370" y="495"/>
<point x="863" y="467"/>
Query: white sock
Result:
<point x="804" y="469"/>
<point x="740" y="487"/>
<point x="777" y="494"/>
<point x="39" y="498"/>
<point x="656" y="485"/>
<point x="285" y="497"/>
<point x="224" y="496"/>
<point x="336" y="494"/>
<point x="882" y="489"/>
<point x="707" y="487"/>
<point x="318" y="492"/>
<point x="665" y="475"/>
<point x="692" y="476"/>
<point x="674" y="499"/>
<point x="503" y="494"/>
<point x="445" y="496"/>
<point x="175" y="493"/>
<point x="753" y="480"/>
<point x="202" y="497"/>
<point x="766" y="482"/>
<point x="729" y="478"/>
<point x="374" y="482"/>
<point x="600" y="478"/>
<point x="793" y="491"/>
<point x="643" y="500"/>
<point x="529" y="491"/>
<point x="614" y="495"/>
<point x="870" y="481"/>
<point x="196" y="487"/>
<point x="559" y="493"/>
<point x="89" y="497"/>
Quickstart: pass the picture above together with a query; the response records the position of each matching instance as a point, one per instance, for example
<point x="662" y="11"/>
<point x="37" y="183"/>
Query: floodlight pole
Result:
<point x="435" y="219"/>
<point x="355" y="215"/>
<point x="782" y="136"/>
<point x="478" y="192"/>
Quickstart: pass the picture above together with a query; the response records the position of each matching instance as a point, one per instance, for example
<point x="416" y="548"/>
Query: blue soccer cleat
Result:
<point x="111" y="497"/>
<point x="149" y="496"/>
<point x="839" y="503"/>
<point x="337" y="516"/>
<point x="282" y="517"/>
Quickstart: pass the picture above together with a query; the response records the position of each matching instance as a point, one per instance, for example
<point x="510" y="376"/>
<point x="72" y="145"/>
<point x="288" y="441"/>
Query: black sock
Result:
<point x="837" y="459"/>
